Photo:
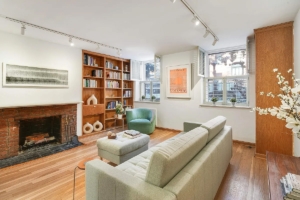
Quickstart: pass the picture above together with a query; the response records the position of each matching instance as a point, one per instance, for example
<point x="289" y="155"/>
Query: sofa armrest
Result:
<point x="187" y="126"/>
<point x="106" y="182"/>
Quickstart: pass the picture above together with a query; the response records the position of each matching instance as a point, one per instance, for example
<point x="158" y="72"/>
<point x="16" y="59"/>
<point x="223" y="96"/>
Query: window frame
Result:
<point x="151" y="89"/>
<point x="224" y="80"/>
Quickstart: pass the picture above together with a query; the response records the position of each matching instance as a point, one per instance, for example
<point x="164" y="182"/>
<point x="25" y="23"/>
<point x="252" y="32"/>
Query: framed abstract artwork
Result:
<point x="25" y="76"/>
<point x="179" y="81"/>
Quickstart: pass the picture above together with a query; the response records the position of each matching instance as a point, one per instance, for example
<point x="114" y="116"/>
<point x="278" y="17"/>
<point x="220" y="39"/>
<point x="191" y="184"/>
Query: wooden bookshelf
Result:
<point x="108" y="78"/>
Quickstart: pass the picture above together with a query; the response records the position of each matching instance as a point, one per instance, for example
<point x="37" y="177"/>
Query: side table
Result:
<point x="81" y="166"/>
<point x="120" y="122"/>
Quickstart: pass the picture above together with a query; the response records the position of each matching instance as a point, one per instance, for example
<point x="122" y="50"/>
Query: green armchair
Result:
<point x="141" y="119"/>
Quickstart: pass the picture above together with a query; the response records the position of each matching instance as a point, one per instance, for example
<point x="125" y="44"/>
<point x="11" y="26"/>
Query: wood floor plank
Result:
<point x="51" y="177"/>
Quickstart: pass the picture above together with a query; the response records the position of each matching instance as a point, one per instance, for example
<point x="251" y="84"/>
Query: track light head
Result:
<point x="119" y="52"/>
<point x="23" y="28"/>
<point x="173" y="1"/>
<point x="206" y="33"/>
<point x="195" y="20"/>
<point x="70" y="41"/>
<point x="215" y="41"/>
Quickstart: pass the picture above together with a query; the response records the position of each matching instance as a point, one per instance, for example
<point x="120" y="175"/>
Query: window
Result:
<point x="227" y="77"/>
<point x="150" y="84"/>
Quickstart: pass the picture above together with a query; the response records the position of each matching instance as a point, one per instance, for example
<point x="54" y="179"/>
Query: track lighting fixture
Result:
<point x="98" y="47"/>
<point x="195" y="20"/>
<point x="23" y="28"/>
<point x="206" y="33"/>
<point x="71" y="43"/>
<point x="215" y="41"/>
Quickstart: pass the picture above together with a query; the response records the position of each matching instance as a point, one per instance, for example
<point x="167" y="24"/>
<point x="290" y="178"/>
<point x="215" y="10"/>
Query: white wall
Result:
<point x="297" y="69"/>
<point x="173" y="112"/>
<point x="21" y="50"/>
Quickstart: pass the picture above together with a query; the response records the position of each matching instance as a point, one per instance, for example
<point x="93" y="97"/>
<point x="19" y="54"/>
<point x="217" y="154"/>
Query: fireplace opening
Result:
<point x="39" y="131"/>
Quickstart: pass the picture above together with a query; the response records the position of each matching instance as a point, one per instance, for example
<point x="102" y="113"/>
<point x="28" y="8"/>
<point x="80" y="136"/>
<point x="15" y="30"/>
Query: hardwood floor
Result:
<point x="51" y="177"/>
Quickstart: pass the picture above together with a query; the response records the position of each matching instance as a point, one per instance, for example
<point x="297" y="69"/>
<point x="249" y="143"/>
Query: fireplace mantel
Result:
<point x="45" y="104"/>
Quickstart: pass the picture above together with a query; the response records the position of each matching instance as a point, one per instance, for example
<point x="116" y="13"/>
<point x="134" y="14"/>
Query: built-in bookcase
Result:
<point x="108" y="78"/>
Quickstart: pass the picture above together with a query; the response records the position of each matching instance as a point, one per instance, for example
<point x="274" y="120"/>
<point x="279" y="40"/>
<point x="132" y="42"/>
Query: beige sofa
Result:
<point x="190" y="166"/>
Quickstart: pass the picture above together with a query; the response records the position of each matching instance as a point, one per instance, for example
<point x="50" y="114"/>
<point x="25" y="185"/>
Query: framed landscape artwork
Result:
<point x="179" y="81"/>
<point x="24" y="76"/>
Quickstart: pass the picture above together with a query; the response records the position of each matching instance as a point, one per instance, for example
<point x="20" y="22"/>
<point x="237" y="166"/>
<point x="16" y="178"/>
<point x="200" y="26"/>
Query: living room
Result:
<point x="138" y="32"/>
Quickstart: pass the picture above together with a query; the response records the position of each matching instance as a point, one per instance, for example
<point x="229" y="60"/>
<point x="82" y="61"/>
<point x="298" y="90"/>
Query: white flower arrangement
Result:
<point x="119" y="109"/>
<point x="289" y="109"/>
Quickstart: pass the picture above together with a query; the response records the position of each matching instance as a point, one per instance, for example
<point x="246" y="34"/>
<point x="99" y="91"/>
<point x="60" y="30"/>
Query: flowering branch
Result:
<point x="289" y="109"/>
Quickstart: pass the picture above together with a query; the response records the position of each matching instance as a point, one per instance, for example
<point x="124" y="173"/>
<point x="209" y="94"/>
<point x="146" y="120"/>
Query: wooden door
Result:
<point x="274" y="49"/>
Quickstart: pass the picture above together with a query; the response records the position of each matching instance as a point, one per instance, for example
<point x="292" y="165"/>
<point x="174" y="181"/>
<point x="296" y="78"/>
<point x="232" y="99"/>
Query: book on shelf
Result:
<point x="127" y="93"/>
<point x="126" y="76"/>
<point x="89" y="60"/>
<point x="88" y="83"/>
<point x="112" y="84"/>
<point x="113" y="75"/>
<point x="97" y="73"/>
<point x="109" y="65"/>
<point x="290" y="185"/>
<point x="112" y="104"/>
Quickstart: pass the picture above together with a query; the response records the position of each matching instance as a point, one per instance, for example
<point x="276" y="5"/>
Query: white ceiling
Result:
<point x="144" y="28"/>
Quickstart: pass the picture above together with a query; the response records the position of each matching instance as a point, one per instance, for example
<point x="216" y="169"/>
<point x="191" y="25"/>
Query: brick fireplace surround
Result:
<point x="10" y="118"/>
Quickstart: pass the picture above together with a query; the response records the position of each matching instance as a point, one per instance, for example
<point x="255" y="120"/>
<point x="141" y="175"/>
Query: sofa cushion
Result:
<point x="138" y="165"/>
<point x="168" y="160"/>
<point x="214" y="126"/>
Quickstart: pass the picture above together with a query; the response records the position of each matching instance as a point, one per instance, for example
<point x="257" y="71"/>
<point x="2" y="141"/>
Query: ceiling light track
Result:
<point x="58" y="32"/>
<point x="208" y="30"/>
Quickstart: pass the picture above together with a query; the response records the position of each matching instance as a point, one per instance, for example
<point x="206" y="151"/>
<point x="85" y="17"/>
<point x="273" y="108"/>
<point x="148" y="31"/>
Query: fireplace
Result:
<point x="39" y="131"/>
<point x="58" y="121"/>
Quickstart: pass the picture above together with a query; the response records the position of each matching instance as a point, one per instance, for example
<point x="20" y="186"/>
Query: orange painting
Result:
<point x="178" y="81"/>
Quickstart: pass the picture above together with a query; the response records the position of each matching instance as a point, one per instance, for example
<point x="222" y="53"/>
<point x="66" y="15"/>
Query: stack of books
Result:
<point x="131" y="134"/>
<point x="290" y="184"/>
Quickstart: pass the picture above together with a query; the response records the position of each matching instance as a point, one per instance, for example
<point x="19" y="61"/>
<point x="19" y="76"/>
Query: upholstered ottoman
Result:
<point x="122" y="148"/>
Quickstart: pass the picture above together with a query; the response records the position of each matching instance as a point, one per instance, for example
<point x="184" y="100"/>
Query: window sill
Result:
<point x="151" y="102"/>
<point x="225" y="106"/>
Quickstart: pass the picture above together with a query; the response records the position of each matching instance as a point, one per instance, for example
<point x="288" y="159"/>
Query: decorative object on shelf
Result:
<point x="119" y="110"/>
<point x="111" y="135"/>
<point x="143" y="97"/>
<point x="153" y="98"/>
<point x="233" y="101"/>
<point x="126" y="67"/>
<point x="24" y="76"/>
<point x="97" y="126"/>
<point x="214" y="100"/>
<point x="87" y="128"/>
<point x="179" y="81"/>
<point x="290" y="103"/>
<point x="92" y="99"/>
<point x="116" y="67"/>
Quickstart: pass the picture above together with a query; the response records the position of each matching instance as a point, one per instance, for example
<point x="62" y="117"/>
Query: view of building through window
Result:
<point x="151" y="86"/>
<point x="228" y="77"/>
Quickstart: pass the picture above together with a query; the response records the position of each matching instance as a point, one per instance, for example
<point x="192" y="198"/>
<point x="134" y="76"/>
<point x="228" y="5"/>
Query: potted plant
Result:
<point x="143" y="97"/>
<point x="233" y="101"/>
<point x="119" y="110"/>
<point x="214" y="100"/>
<point x="153" y="98"/>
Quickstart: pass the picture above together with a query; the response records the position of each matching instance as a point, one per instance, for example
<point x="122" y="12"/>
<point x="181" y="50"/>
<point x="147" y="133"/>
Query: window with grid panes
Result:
<point x="227" y="78"/>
